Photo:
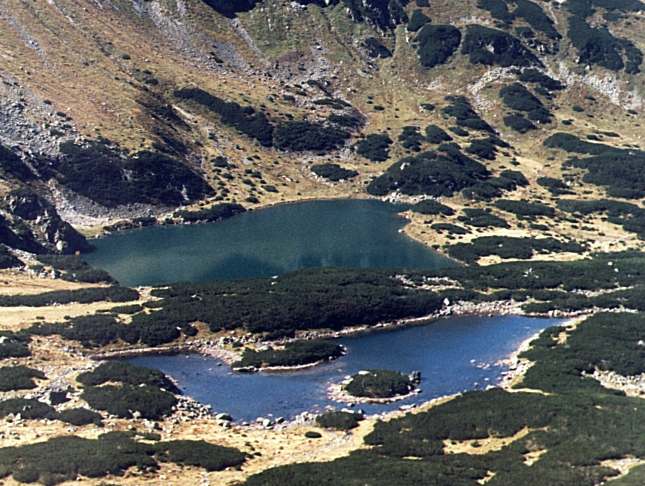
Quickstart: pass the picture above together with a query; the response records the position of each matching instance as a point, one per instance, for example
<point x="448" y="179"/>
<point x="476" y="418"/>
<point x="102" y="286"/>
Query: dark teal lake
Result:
<point x="453" y="355"/>
<point x="263" y="243"/>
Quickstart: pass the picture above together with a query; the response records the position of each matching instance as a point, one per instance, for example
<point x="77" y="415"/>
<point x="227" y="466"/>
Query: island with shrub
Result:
<point x="376" y="386"/>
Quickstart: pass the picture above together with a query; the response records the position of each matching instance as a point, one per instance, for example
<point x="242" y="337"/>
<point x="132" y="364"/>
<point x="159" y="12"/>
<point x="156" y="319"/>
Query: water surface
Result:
<point x="453" y="355"/>
<point x="263" y="243"/>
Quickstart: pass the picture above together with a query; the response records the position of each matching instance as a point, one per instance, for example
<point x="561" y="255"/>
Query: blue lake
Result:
<point x="272" y="241"/>
<point x="453" y="355"/>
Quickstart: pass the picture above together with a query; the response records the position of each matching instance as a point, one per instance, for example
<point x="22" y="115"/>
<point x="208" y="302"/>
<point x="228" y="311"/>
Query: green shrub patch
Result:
<point x="435" y="134"/>
<point x="14" y="345"/>
<point x="27" y="408"/>
<point x="518" y="98"/>
<point x="246" y="120"/>
<point x="524" y="208"/>
<point x="417" y="20"/>
<point x="433" y="173"/>
<point x="375" y="147"/>
<point x="519" y="123"/>
<point x="80" y="416"/>
<point x="128" y="374"/>
<point x="484" y="45"/>
<point x="436" y="44"/>
<point x="333" y="172"/>
<point x="149" y="401"/>
<point x="199" y="453"/>
<point x="19" y="378"/>
<point x="597" y="45"/>
<point x="68" y="458"/>
<point x="91" y="331"/>
<point x="531" y="12"/>
<point x="307" y="136"/>
<point x="432" y="207"/>
<point x="307" y="299"/>
<point x="379" y="384"/>
<point x="81" y="296"/>
<point x="460" y="108"/>
<point x="481" y="218"/>
<point x="411" y="138"/>
<point x="555" y="186"/>
<point x="535" y="76"/>
<point x="509" y="247"/>
<point x="111" y="177"/>
<point x="338" y="420"/>
<point x="295" y="353"/>
<point x="619" y="171"/>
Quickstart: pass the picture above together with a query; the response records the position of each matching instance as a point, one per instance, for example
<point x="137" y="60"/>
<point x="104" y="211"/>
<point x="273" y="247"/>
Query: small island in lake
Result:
<point x="376" y="386"/>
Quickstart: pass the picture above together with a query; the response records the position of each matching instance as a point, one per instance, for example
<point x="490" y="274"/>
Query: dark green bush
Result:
<point x="333" y="172"/>
<point x="517" y="97"/>
<point x="98" y="171"/>
<point x="519" y="123"/>
<point x="13" y="345"/>
<point x="433" y="173"/>
<point x="68" y="458"/>
<point x="531" y="12"/>
<point x="436" y="44"/>
<point x="128" y="374"/>
<point x="306" y="136"/>
<point x="379" y="384"/>
<point x="27" y="408"/>
<point x="452" y="229"/>
<point x="509" y="247"/>
<point x="506" y="50"/>
<point x="597" y="45"/>
<point x="376" y="49"/>
<point x="411" y="139"/>
<point x="432" y="207"/>
<point x="435" y="134"/>
<point x="481" y="218"/>
<point x="483" y="148"/>
<point x="19" y="378"/>
<point x="150" y="401"/>
<point x="524" y="208"/>
<point x="532" y="75"/>
<point x="466" y="117"/>
<point x="307" y="299"/>
<point x="80" y="417"/>
<point x="295" y="353"/>
<point x="245" y="119"/>
<point x="555" y="186"/>
<point x="7" y="260"/>
<point x="417" y="20"/>
<point x="199" y="453"/>
<point x="91" y="331"/>
<point x="375" y="147"/>
<point x="82" y="296"/>
<point x="338" y="420"/>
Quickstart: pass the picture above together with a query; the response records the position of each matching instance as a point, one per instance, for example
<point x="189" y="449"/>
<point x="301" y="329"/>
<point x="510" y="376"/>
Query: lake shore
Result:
<point x="228" y="355"/>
